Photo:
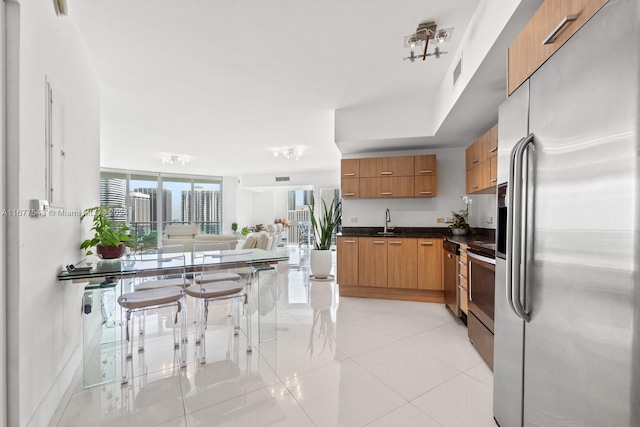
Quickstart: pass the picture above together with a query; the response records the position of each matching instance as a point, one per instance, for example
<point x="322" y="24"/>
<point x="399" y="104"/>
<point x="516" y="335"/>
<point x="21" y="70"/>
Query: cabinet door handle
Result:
<point x="429" y="244"/>
<point x="426" y="192"/>
<point x="552" y="35"/>
<point x="386" y="173"/>
<point x="493" y="149"/>
<point x="494" y="180"/>
<point x="386" y="194"/>
<point x="450" y="256"/>
<point x="474" y="162"/>
<point x="462" y="288"/>
<point x="460" y="263"/>
<point x="349" y="194"/>
<point x="349" y="174"/>
<point x="476" y="187"/>
<point x="461" y="276"/>
<point x="378" y="242"/>
<point x="429" y="171"/>
<point x="395" y="243"/>
<point x="349" y="241"/>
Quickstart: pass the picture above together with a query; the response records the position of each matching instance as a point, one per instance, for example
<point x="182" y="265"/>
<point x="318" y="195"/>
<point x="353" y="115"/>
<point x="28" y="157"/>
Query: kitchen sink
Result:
<point x="388" y="233"/>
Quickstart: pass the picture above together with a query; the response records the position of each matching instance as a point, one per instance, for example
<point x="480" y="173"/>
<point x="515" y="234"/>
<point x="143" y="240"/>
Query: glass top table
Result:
<point x="141" y="265"/>
<point x="102" y="275"/>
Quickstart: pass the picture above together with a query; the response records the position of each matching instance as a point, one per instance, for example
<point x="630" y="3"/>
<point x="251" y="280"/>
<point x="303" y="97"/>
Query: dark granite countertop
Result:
<point x="483" y="237"/>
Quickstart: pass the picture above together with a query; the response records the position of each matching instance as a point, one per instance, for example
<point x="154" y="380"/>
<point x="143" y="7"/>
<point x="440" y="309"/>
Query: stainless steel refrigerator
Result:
<point x="567" y="309"/>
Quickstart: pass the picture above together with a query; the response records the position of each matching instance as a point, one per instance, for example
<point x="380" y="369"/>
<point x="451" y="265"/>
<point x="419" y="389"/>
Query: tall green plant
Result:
<point x="326" y="223"/>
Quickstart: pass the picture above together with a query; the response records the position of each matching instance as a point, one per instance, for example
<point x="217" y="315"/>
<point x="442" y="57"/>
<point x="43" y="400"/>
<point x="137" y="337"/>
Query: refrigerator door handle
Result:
<point x="516" y="224"/>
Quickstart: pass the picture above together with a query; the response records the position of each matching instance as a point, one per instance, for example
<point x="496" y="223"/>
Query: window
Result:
<point x="182" y="199"/>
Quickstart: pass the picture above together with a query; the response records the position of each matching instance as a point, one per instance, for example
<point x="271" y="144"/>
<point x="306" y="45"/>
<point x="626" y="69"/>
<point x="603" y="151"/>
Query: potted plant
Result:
<point x="460" y="224"/>
<point x="110" y="239"/>
<point x="323" y="229"/>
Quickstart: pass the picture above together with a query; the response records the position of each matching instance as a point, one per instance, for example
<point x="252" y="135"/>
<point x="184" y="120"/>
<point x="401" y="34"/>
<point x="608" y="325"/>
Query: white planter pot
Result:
<point x="320" y="263"/>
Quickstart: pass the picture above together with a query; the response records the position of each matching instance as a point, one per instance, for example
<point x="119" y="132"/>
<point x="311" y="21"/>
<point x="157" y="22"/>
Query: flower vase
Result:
<point x="459" y="231"/>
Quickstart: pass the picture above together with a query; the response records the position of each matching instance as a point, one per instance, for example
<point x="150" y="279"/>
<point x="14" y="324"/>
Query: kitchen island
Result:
<point x="402" y="264"/>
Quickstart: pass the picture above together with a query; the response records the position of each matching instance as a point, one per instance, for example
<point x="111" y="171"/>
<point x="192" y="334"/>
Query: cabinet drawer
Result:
<point x="549" y="28"/>
<point x="387" y="187"/>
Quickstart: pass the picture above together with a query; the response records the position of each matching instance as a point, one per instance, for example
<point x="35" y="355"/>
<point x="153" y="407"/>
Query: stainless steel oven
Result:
<point x="482" y="273"/>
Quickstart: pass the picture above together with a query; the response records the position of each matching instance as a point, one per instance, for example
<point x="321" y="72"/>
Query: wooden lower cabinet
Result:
<point x="402" y="263"/>
<point x="402" y="268"/>
<point x="429" y="254"/>
<point x="347" y="261"/>
<point x="372" y="261"/>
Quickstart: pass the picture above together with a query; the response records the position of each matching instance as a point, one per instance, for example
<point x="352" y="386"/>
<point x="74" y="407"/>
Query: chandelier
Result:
<point x="289" y="153"/>
<point x="172" y="159"/>
<point x="420" y="40"/>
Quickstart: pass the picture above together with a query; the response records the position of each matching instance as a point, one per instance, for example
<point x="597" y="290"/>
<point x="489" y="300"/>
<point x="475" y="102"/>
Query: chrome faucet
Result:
<point x="387" y="220"/>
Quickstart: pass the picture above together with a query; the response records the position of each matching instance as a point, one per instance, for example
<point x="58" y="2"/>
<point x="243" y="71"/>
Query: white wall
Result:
<point x="269" y="198"/>
<point x="44" y="318"/>
<point x="487" y="22"/>
<point x="423" y="212"/>
<point x="3" y="229"/>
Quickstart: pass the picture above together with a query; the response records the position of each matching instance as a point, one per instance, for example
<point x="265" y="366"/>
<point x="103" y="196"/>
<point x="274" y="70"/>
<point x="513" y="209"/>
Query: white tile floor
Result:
<point x="336" y="362"/>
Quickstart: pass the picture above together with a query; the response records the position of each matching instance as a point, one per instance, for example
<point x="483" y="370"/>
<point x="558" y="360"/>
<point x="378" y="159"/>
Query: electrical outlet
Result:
<point x="353" y="220"/>
<point x="449" y="220"/>
<point x="489" y="220"/>
<point x="440" y="220"/>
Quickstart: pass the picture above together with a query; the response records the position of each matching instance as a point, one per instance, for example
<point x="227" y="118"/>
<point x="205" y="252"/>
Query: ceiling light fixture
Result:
<point x="425" y="32"/>
<point x="172" y="159"/>
<point x="289" y="153"/>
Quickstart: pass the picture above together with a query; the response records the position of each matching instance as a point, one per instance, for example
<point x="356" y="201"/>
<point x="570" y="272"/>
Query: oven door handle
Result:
<point x="482" y="258"/>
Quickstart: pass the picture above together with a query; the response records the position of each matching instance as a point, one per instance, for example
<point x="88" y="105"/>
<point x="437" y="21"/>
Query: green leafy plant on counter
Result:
<point x="461" y="218"/>
<point x="107" y="232"/>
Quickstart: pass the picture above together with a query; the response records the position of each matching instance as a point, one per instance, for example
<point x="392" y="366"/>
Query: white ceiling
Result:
<point x="227" y="82"/>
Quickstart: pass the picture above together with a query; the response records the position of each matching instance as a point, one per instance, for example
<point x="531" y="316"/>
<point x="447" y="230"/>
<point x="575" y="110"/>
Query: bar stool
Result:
<point x="207" y="292"/>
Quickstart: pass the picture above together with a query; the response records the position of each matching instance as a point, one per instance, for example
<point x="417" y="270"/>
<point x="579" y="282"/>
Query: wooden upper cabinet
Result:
<point x="426" y="165"/>
<point x="385" y="177"/>
<point x="549" y="28"/>
<point x="482" y="173"/>
<point x="396" y="186"/>
<point x="350" y="188"/>
<point x="426" y="186"/>
<point x="473" y="155"/>
<point x="492" y="141"/>
<point x="350" y="168"/>
<point x="377" y="167"/>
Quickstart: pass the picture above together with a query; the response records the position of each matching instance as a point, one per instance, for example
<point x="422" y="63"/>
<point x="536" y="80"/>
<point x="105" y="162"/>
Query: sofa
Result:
<point x="189" y="234"/>
<point x="267" y="240"/>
